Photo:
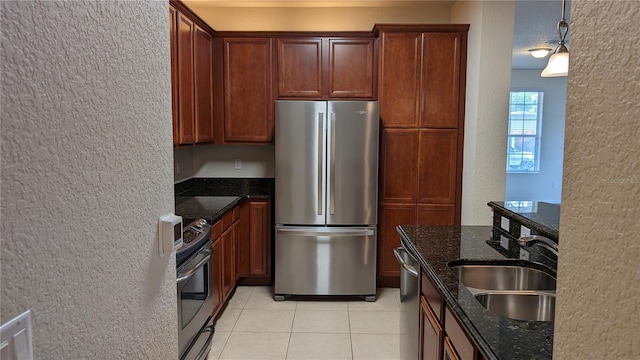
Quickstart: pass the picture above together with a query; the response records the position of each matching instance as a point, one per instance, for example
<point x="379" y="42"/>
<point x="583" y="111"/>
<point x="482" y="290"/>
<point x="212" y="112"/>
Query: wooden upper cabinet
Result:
<point x="173" y="37"/>
<point x="350" y="68"/>
<point x="398" y="170"/>
<point x="322" y="67"/>
<point x="399" y="78"/>
<point x="186" y="123"/>
<point x="203" y="79"/>
<point x="441" y="71"/>
<point x="437" y="166"/>
<point x="248" y="96"/>
<point x="300" y="67"/>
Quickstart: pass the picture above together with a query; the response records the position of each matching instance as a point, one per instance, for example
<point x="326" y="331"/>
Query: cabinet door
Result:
<point x="228" y="261"/>
<point x="440" y="83"/>
<point x="300" y="68"/>
<point x="216" y="276"/>
<point x="398" y="170"/>
<point x="350" y="68"/>
<point x="259" y="231"/>
<point x="437" y="166"/>
<point x="431" y="333"/>
<point x="436" y="215"/>
<point x="391" y="215"/>
<point x="399" y="79"/>
<point x="248" y="100"/>
<point x="186" y="128"/>
<point x="203" y="79"/>
<point x="173" y="39"/>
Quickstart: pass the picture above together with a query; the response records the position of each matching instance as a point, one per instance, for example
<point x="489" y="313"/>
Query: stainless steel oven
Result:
<point x="194" y="288"/>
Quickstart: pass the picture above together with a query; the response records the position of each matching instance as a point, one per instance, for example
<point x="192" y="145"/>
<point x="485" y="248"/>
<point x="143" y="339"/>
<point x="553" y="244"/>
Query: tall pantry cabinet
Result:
<point x="421" y="89"/>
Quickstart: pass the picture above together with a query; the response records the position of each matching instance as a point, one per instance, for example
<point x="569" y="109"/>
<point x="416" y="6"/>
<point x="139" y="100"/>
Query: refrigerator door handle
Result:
<point x="332" y="184"/>
<point x="313" y="232"/>
<point x="320" y="159"/>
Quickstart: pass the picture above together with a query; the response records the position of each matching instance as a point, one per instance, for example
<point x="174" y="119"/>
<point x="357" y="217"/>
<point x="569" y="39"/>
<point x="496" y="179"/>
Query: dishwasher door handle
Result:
<point x="410" y="269"/>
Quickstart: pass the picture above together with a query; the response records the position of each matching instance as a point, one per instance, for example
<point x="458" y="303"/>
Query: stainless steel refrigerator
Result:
<point x="326" y="198"/>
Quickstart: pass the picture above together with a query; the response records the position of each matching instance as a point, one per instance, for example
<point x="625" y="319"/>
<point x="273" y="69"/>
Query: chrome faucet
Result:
<point x="541" y="241"/>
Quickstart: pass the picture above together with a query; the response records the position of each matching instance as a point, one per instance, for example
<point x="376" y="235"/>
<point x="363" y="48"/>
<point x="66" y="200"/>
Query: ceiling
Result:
<point x="535" y="26"/>
<point x="535" y="20"/>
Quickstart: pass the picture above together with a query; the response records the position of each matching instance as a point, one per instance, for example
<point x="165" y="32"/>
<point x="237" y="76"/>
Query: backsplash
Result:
<point x="225" y="187"/>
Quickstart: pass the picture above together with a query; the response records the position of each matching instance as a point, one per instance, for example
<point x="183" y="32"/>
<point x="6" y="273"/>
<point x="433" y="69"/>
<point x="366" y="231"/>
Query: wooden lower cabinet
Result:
<point x="216" y="276"/>
<point x="254" y="245"/>
<point x="460" y="344"/>
<point x="441" y="335"/>
<point x="228" y="261"/>
<point x="431" y="333"/>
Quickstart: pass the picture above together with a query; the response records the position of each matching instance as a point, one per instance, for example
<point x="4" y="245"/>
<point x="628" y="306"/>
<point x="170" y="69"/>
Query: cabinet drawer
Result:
<point x="461" y="343"/>
<point x="433" y="297"/>
<point x="227" y="220"/>
<point x="216" y="230"/>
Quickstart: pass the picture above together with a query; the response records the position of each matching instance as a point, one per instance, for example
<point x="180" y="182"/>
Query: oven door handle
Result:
<point x="187" y="275"/>
<point x="203" y="352"/>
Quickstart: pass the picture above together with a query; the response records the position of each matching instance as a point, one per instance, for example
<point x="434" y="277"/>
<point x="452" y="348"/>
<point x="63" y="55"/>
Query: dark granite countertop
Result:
<point x="211" y="198"/>
<point x="210" y="208"/>
<point x="534" y="214"/>
<point x="496" y="337"/>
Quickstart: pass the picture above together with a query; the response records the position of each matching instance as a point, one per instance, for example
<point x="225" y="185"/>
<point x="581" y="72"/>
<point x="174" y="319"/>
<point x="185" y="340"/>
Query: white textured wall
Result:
<point x="598" y="313"/>
<point x="545" y="185"/>
<point x="487" y="104"/>
<point x="86" y="171"/>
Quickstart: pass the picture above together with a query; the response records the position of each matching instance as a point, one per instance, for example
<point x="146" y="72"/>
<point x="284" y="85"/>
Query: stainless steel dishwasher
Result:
<point x="409" y="305"/>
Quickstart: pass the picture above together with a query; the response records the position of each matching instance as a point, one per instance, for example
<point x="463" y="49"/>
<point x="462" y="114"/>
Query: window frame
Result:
<point x="537" y="136"/>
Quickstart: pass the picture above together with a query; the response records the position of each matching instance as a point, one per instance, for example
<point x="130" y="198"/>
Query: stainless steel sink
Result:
<point x="520" y="305"/>
<point x="503" y="276"/>
<point x="510" y="288"/>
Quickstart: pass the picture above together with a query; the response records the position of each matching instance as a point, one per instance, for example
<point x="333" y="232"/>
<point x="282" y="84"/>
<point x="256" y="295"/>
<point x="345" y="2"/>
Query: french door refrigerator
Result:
<point x="326" y="177"/>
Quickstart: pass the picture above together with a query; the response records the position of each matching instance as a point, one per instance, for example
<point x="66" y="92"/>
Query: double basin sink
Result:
<point x="514" y="289"/>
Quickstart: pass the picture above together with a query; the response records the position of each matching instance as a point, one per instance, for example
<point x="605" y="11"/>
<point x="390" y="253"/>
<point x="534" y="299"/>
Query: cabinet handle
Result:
<point x="186" y="276"/>
<point x="410" y="269"/>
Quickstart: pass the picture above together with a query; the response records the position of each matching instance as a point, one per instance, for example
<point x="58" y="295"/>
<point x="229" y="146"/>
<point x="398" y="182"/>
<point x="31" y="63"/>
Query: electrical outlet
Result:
<point x="524" y="231"/>
<point x="524" y="254"/>
<point x="504" y="242"/>
<point x="504" y="223"/>
<point x="238" y="164"/>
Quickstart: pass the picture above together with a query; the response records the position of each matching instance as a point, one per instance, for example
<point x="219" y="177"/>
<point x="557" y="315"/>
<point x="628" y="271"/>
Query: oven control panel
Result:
<point x="196" y="233"/>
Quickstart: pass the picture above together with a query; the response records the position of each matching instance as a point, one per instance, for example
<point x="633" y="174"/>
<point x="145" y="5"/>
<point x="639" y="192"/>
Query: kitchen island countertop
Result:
<point x="495" y="337"/>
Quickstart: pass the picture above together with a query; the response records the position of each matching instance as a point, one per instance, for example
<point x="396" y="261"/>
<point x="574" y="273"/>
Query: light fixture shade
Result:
<point x="558" y="64"/>
<point x="539" y="53"/>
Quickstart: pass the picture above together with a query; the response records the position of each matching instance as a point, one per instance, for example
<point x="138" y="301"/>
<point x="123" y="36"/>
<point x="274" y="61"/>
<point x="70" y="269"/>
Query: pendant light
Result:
<point x="558" y="64"/>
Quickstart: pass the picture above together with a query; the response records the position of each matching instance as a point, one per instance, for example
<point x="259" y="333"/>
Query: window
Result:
<point x="523" y="141"/>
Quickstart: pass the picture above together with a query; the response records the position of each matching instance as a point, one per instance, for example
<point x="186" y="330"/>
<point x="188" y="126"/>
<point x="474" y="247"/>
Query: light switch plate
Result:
<point x="15" y="338"/>
<point x="524" y="231"/>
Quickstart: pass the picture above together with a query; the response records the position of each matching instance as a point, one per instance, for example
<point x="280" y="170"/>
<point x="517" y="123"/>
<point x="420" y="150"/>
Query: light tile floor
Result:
<point x="254" y="326"/>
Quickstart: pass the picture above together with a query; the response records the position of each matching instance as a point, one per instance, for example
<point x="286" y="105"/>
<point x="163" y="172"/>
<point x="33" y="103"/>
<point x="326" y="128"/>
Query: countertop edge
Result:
<point x="477" y="338"/>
